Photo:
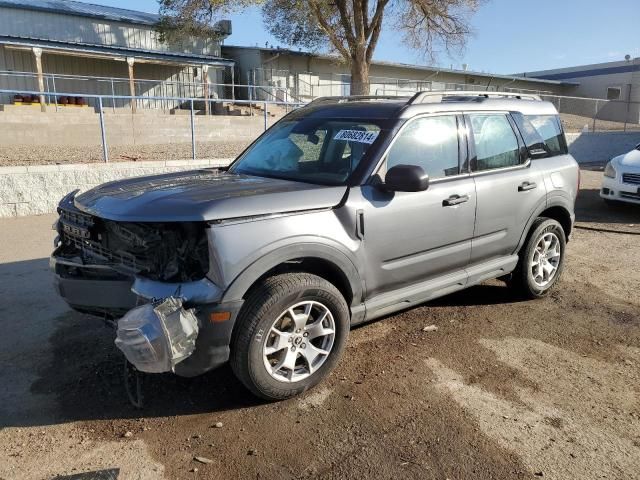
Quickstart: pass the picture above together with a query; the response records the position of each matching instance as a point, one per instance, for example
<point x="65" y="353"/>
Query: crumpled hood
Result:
<point x="205" y="194"/>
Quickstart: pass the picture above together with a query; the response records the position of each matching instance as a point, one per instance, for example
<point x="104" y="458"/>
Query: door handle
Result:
<point x="454" y="200"/>
<point x="360" y="224"/>
<point x="525" y="186"/>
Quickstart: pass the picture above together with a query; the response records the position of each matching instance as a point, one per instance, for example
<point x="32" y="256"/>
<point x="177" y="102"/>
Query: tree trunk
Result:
<point x="360" y="76"/>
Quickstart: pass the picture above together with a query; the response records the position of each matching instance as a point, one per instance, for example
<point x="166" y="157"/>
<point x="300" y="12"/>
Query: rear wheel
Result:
<point x="290" y="334"/>
<point x="541" y="259"/>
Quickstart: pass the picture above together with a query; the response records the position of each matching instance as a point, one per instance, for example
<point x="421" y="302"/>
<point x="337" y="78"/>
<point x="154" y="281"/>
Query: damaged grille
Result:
<point x="169" y="252"/>
<point x="77" y="218"/>
<point x="94" y="251"/>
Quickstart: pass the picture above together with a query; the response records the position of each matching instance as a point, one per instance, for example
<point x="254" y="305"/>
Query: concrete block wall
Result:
<point x="20" y="126"/>
<point x="36" y="190"/>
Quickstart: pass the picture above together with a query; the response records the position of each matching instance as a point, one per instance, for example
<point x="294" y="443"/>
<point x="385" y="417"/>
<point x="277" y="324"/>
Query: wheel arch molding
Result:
<point x="325" y="261"/>
<point x="557" y="208"/>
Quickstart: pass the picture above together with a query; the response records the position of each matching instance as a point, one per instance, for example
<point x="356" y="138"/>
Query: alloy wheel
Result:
<point x="299" y="341"/>
<point x="545" y="259"/>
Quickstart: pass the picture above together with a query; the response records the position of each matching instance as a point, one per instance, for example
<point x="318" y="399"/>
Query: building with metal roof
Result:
<point x="82" y="9"/>
<point x="617" y="83"/>
<point x="74" y="47"/>
<point x="308" y="75"/>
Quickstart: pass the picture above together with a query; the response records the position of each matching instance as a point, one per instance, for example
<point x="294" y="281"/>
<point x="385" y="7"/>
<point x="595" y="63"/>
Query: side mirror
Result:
<point x="406" y="178"/>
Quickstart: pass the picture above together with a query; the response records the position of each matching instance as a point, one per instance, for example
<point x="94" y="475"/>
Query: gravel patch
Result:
<point x="57" y="154"/>
<point x="577" y="123"/>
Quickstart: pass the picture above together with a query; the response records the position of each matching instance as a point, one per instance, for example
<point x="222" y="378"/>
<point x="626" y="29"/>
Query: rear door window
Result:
<point x="496" y="144"/>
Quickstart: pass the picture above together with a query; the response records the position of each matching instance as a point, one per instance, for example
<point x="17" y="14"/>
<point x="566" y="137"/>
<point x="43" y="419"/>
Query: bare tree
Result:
<point x="349" y="28"/>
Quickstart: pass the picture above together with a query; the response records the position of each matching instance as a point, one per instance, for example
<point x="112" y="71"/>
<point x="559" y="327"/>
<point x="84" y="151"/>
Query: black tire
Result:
<point x="522" y="280"/>
<point x="263" y="306"/>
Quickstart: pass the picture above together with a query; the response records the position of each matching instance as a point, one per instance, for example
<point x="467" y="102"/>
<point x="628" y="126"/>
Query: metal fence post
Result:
<point x="55" y="95"/>
<point x="595" y="114"/>
<point x="105" y="150"/>
<point x="249" y="95"/>
<point x="265" y="115"/>
<point x="193" y="133"/>
<point x="113" y="96"/>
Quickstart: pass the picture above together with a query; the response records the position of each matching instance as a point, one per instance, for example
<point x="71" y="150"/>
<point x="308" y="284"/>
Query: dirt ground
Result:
<point x="578" y="123"/>
<point x="63" y="154"/>
<point x="503" y="389"/>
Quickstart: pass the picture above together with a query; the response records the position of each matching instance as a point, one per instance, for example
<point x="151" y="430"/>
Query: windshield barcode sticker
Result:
<point x="361" y="136"/>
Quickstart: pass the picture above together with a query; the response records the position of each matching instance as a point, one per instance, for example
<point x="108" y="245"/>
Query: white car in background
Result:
<point x="621" y="181"/>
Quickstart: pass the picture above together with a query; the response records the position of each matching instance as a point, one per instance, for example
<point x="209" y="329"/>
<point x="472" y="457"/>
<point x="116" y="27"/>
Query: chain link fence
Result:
<point x="595" y="114"/>
<point x="192" y="125"/>
<point x="96" y="132"/>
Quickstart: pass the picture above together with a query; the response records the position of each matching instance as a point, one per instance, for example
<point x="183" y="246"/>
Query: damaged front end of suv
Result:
<point x="149" y="278"/>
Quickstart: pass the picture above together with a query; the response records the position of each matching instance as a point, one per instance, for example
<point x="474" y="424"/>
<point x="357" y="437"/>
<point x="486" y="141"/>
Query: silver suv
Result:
<point x="346" y="210"/>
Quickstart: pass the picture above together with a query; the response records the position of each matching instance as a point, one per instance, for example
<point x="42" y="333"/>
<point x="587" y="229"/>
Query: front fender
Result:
<point x="302" y="248"/>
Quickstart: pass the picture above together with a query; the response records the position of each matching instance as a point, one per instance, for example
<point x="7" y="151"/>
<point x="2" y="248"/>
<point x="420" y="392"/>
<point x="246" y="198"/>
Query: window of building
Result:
<point x="613" y="93"/>
<point x="430" y="143"/>
<point x="495" y="142"/>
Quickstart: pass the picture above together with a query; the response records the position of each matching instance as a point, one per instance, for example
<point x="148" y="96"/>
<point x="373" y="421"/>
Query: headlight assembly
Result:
<point x="609" y="171"/>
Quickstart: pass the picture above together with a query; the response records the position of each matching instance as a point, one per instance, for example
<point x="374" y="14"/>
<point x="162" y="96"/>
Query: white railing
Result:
<point x="150" y="93"/>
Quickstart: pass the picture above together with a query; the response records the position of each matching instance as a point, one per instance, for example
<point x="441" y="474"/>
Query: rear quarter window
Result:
<point x="542" y="134"/>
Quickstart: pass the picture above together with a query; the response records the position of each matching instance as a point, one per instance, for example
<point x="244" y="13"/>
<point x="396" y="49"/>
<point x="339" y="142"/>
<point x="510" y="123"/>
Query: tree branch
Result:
<point x="375" y="28"/>
<point x="331" y="33"/>
<point x="358" y="20"/>
<point x="377" y="17"/>
<point x="346" y="24"/>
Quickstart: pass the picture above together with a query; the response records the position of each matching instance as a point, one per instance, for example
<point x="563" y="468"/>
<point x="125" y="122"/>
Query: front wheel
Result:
<point x="290" y="334"/>
<point x="541" y="259"/>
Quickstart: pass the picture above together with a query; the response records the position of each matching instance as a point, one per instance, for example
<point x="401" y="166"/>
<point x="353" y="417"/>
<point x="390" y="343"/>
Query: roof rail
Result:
<point x="357" y="98"/>
<point x="420" y="97"/>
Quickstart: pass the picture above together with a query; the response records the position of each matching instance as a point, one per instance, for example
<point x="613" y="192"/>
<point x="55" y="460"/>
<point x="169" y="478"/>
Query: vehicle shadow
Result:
<point x="493" y="293"/>
<point x="72" y="370"/>
<point x="87" y="376"/>
<point x="61" y="366"/>
<point x="591" y="208"/>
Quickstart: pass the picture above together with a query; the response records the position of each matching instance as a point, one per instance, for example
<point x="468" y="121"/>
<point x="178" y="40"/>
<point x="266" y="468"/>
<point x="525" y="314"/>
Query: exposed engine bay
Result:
<point x="165" y="252"/>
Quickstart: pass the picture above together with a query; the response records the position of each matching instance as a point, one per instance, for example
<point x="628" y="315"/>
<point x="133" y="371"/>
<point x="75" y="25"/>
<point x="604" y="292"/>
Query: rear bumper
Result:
<point x="99" y="290"/>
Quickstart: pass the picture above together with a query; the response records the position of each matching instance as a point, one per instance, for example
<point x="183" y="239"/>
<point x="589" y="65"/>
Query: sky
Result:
<point x="510" y="36"/>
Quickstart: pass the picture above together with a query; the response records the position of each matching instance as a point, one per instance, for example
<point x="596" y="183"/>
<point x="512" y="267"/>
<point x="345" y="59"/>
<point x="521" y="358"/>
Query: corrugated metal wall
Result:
<point x="17" y="61"/>
<point x="68" y="28"/>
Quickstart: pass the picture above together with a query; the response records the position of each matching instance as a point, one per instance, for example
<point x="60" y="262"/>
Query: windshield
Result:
<point x="313" y="150"/>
